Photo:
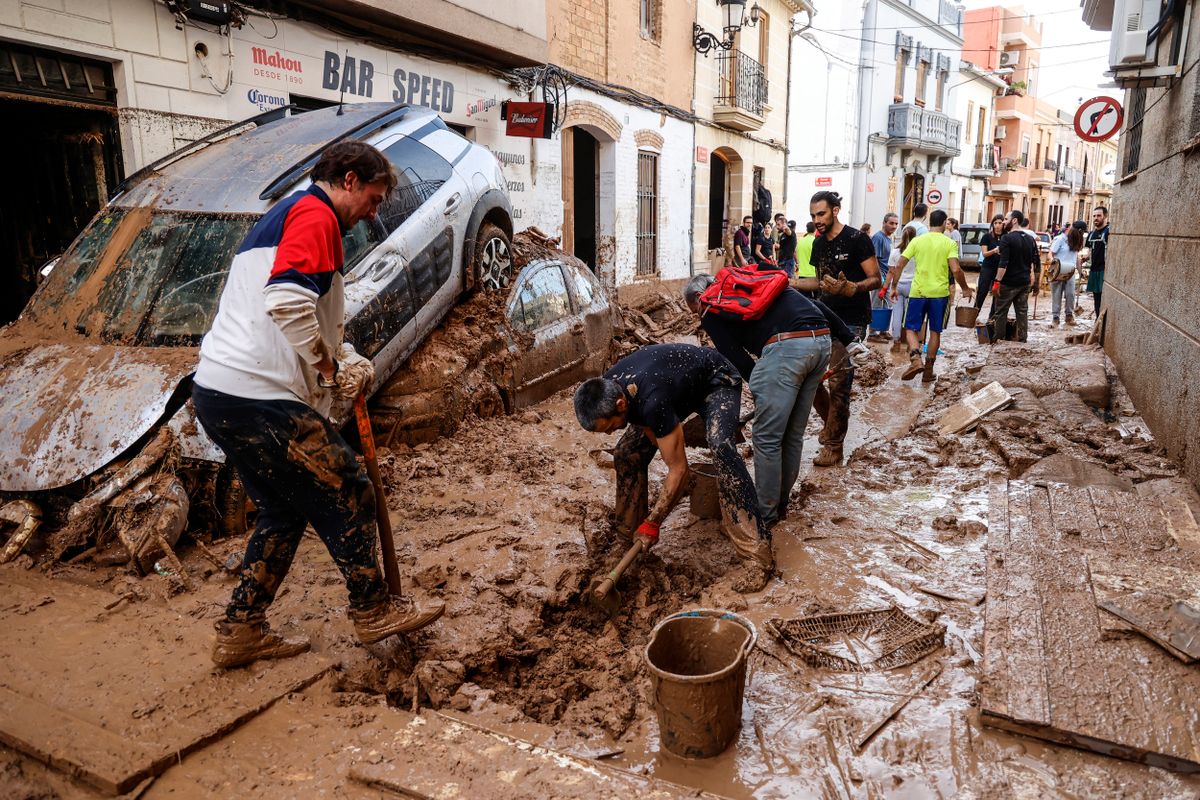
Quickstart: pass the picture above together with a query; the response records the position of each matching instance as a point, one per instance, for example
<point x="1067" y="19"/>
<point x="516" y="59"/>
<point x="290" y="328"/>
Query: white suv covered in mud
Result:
<point x="98" y="436"/>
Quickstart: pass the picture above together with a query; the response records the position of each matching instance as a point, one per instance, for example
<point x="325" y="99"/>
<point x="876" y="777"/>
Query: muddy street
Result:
<point x="508" y="520"/>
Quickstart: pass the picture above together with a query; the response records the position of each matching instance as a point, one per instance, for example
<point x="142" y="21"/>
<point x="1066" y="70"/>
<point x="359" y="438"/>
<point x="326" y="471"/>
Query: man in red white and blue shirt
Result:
<point x="269" y="370"/>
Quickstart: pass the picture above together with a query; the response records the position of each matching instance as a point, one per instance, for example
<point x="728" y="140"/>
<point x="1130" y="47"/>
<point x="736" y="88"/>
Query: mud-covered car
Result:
<point x="553" y="330"/>
<point x="100" y="441"/>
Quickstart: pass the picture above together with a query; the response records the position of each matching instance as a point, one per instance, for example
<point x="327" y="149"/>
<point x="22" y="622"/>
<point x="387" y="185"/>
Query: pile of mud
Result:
<point x="652" y="319"/>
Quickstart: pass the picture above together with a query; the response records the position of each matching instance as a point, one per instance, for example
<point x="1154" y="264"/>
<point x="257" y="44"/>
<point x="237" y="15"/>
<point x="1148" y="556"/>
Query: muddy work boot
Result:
<point x="392" y="616"/>
<point x="830" y="456"/>
<point x="239" y="643"/>
<point x="750" y="577"/>
<point x="1070" y="320"/>
<point x="914" y="365"/>
<point x="927" y="376"/>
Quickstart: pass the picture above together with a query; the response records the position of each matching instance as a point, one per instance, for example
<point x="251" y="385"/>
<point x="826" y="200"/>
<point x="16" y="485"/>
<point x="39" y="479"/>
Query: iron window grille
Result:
<point x="647" y="225"/>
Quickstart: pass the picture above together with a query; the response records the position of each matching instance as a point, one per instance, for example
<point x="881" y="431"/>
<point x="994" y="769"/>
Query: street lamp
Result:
<point x="734" y="13"/>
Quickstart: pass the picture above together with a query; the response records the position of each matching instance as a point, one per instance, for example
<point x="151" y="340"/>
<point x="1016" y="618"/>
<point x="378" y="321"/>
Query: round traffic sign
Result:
<point x="1099" y="119"/>
<point x="934" y="197"/>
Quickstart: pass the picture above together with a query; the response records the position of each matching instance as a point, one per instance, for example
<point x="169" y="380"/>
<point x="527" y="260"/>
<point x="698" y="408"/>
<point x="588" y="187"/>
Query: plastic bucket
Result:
<point x="697" y="662"/>
<point x="965" y="316"/>
<point x="881" y="319"/>
<point x="983" y="333"/>
<point x="705" y="497"/>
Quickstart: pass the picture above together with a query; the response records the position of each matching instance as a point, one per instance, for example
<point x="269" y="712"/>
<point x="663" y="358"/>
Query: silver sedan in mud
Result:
<point x="99" y="439"/>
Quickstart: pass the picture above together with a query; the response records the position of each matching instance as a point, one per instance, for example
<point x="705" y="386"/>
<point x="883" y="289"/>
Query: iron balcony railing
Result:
<point x="1051" y="165"/>
<point x="743" y="82"/>
<point x="985" y="157"/>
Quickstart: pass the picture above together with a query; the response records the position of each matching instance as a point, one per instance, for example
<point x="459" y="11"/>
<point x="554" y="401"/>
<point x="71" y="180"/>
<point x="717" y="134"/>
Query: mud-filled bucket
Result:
<point x="881" y="319"/>
<point x="705" y="497"/>
<point x="697" y="661"/>
<point x="965" y="316"/>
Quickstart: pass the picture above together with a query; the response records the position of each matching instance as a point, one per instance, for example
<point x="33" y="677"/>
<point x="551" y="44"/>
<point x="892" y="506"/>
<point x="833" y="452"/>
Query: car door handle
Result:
<point x="452" y="203"/>
<point x="382" y="267"/>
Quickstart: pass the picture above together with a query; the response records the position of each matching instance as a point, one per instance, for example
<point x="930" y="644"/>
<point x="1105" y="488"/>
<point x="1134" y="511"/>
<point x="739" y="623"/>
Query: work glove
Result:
<point x="995" y="287"/>
<point x="840" y="286"/>
<point x="649" y="531"/>
<point x="856" y="353"/>
<point x="353" y="374"/>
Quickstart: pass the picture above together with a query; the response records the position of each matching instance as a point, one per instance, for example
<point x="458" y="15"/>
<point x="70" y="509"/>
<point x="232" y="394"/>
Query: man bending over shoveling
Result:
<point x="656" y="389"/>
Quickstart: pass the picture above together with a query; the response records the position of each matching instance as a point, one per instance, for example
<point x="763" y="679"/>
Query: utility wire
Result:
<point x="936" y="26"/>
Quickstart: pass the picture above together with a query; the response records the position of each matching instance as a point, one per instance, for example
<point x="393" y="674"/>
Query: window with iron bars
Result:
<point x="1133" y="131"/>
<point x="647" y="225"/>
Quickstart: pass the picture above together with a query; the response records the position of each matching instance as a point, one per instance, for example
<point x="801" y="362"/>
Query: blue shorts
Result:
<point x="923" y="308"/>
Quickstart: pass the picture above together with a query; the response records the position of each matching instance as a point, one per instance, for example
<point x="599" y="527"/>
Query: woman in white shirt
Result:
<point x="900" y="308"/>
<point x="1065" y="248"/>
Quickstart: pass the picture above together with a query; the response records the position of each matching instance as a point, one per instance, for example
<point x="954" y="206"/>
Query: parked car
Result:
<point x="95" y="374"/>
<point x="971" y="254"/>
<point x="557" y="330"/>
<point x="1043" y="240"/>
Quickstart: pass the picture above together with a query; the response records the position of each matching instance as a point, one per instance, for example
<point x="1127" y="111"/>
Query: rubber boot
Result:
<point x="928" y="376"/>
<point x="1071" y="319"/>
<point x="392" y="616"/>
<point x="239" y="643"/>
<point x="914" y="365"/>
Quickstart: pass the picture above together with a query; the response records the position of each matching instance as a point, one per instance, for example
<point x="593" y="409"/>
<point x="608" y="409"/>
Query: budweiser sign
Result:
<point x="532" y="120"/>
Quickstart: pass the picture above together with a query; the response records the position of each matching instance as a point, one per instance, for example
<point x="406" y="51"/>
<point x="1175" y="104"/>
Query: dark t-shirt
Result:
<point x="1018" y="253"/>
<point x="791" y="311"/>
<point x="667" y="383"/>
<point x="845" y="253"/>
<point x="1097" y="242"/>
<point x="763" y="243"/>
<point x="990" y="242"/>
<point x="741" y="240"/>
<point x="787" y="247"/>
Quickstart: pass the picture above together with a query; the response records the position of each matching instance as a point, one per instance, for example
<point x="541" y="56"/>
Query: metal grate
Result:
<point x="743" y="82"/>
<point x="1133" y="131"/>
<point x="647" y="226"/>
<point x="62" y="76"/>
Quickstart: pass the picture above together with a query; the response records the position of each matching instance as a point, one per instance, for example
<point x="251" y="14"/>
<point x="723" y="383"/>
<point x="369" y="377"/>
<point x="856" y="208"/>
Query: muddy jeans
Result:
<point x="784" y="381"/>
<point x="298" y="470"/>
<point x="833" y="403"/>
<point x="740" y="519"/>
<point x="1018" y="298"/>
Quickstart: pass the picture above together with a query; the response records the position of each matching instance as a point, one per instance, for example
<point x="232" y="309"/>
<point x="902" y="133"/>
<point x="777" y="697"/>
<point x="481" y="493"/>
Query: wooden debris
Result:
<point x="926" y="678"/>
<point x="963" y="415"/>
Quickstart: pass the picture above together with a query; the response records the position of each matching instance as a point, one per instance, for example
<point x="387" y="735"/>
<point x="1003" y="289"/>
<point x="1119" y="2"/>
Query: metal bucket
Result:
<point x="697" y="661"/>
<point x="965" y="316"/>
<point x="705" y="498"/>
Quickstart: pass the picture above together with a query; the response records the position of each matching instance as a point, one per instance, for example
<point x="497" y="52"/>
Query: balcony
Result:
<point x="742" y="99"/>
<point x="914" y="128"/>
<point x="985" y="165"/>
<point x="1044" y="175"/>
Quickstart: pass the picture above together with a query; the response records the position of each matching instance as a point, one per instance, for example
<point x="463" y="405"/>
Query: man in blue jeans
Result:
<point x="792" y="344"/>
<point x="270" y="369"/>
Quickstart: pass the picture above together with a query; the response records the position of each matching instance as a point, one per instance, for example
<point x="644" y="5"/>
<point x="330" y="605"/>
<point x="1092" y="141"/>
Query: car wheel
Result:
<point x="232" y="505"/>
<point x="493" y="258"/>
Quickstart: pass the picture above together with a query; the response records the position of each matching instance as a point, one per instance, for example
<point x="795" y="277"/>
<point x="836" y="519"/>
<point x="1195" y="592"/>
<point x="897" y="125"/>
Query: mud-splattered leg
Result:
<point x="631" y="459"/>
<point x="841" y="378"/>
<point x="740" y="519"/>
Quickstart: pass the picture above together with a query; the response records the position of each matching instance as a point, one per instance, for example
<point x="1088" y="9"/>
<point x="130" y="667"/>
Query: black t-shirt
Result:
<point x="1018" y="254"/>
<point x="1097" y="242"/>
<point x="763" y="243"/>
<point x="667" y="383"/>
<point x="845" y="253"/>
<point x="787" y="246"/>
<point x="738" y="340"/>
<point x="990" y="242"/>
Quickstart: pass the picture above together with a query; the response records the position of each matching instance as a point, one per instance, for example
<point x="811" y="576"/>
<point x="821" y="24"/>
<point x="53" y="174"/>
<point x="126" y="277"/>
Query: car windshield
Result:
<point x="142" y="276"/>
<point x="973" y="235"/>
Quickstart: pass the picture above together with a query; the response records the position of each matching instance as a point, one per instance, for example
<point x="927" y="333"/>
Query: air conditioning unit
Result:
<point x="1010" y="58"/>
<point x="1130" y="44"/>
<point x="1001" y="132"/>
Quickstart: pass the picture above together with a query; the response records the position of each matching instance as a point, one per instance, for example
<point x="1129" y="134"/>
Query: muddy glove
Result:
<point x="649" y="531"/>
<point x="831" y="285"/>
<point x="856" y="353"/>
<point x="843" y="287"/>
<point x="352" y="374"/>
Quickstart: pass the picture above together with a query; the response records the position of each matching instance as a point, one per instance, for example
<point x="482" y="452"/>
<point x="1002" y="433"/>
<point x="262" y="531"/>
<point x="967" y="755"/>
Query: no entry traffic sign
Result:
<point x="934" y="197"/>
<point x="1098" y="119"/>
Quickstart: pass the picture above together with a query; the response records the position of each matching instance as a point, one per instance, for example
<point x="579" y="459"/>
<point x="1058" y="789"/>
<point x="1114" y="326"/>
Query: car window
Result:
<point x="420" y="173"/>
<point x="584" y="288"/>
<point x="360" y="240"/>
<point x="143" y="276"/>
<point x="543" y="299"/>
<point x="973" y="235"/>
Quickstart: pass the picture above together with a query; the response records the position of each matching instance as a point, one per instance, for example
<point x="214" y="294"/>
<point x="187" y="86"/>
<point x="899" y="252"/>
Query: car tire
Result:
<point x="492" y="262"/>
<point x="233" y="515"/>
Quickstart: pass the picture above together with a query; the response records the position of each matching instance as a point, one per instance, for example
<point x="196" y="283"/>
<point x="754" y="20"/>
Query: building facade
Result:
<point x="976" y="166"/>
<point x="1151" y="325"/>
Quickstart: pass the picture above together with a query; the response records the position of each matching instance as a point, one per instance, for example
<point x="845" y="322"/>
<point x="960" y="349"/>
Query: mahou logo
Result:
<point x="276" y="59"/>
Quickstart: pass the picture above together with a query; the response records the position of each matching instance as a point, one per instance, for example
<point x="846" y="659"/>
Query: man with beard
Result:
<point x="1015" y="277"/>
<point x="845" y="261"/>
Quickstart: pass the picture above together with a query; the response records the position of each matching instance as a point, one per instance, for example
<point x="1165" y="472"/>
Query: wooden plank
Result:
<point x="96" y="756"/>
<point x="964" y="414"/>
<point x="1062" y="679"/>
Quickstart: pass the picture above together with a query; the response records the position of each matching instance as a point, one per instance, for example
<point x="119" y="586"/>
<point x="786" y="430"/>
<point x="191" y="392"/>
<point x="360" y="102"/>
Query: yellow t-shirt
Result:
<point x="932" y="251"/>
<point x="804" y="267"/>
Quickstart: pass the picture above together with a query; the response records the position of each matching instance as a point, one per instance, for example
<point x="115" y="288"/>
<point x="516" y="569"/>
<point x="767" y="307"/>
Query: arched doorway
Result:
<point x="589" y="137"/>
<point x="914" y="192"/>
<point x="724" y="197"/>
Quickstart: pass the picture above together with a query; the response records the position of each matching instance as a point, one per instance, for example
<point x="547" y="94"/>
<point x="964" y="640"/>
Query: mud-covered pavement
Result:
<point x="508" y="519"/>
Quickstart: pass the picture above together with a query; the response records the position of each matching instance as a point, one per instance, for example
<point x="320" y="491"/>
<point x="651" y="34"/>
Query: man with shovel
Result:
<point x="653" y="391"/>
<point x="269" y="370"/>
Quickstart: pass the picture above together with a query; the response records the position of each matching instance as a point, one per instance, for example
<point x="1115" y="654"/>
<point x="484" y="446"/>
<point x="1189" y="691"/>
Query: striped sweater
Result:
<point x="282" y="307"/>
